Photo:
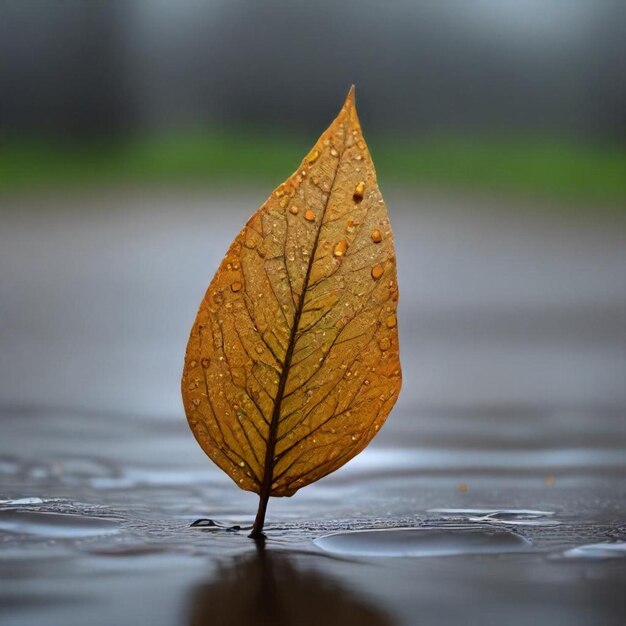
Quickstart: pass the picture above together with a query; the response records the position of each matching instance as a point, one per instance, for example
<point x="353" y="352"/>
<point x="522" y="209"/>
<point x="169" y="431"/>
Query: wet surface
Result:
<point x="494" y="495"/>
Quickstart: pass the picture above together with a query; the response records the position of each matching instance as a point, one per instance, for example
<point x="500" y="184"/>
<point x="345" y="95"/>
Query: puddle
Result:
<point x="516" y="517"/>
<point x="420" y="542"/>
<point x="57" y="525"/>
<point x="598" y="551"/>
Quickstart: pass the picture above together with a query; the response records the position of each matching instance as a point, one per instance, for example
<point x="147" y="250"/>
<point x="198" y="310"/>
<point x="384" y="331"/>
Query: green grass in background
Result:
<point x="557" y="170"/>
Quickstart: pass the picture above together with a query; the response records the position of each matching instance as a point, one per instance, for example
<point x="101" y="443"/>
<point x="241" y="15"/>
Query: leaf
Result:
<point x="292" y="365"/>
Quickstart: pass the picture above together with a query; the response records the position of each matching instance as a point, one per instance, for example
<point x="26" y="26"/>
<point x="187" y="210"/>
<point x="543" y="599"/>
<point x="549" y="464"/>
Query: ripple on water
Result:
<point x="57" y="525"/>
<point x="24" y="501"/>
<point x="517" y="517"/>
<point x="615" y="550"/>
<point x="419" y="542"/>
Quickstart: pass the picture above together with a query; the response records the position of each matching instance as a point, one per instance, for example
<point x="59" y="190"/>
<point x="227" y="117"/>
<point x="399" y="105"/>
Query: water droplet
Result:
<point x="334" y="152"/>
<point x="313" y="156"/>
<point x="377" y="236"/>
<point x="340" y="248"/>
<point x="377" y="271"/>
<point x="205" y="363"/>
<point x="284" y="201"/>
<point x="192" y="363"/>
<point x="259" y="348"/>
<point x="350" y="226"/>
<point x="391" y="321"/>
<point x="309" y="215"/>
<point x="293" y="209"/>
<point x="358" y="192"/>
<point x="196" y="401"/>
<point x="242" y="464"/>
<point x="384" y="343"/>
<point x="236" y="286"/>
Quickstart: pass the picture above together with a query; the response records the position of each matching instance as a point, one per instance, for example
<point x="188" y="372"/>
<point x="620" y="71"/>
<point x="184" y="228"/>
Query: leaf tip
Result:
<point x="350" y="102"/>
<point x="349" y="108"/>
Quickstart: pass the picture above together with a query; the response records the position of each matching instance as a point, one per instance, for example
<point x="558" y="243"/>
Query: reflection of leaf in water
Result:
<point x="267" y="589"/>
<point x="292" y="364"/>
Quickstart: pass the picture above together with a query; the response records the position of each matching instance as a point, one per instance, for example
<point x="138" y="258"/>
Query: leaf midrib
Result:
<point x="268" y="470"/>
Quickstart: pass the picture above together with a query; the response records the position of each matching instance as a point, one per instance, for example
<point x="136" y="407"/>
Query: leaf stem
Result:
<point x="257" y="530"/>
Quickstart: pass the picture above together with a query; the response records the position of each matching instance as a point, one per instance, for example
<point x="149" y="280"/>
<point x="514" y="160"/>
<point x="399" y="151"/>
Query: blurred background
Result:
<point x="527" y="95"/>
<point x="137" y="137"/>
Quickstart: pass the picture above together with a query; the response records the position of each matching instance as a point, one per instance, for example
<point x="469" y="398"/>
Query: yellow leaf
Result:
<point x="292" y="365"/>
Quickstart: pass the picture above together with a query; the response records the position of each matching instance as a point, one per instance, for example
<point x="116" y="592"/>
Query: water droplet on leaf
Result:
<point x="340" y="248"/>
<point x="377" y="271"/>
<point x="313" y="156"/>
<point x="358" y="192"/>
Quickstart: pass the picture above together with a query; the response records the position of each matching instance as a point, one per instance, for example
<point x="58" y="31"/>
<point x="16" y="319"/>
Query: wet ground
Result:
<point x="494" y="495"/>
